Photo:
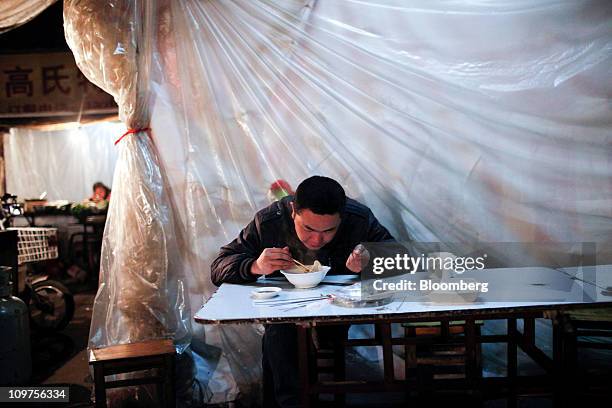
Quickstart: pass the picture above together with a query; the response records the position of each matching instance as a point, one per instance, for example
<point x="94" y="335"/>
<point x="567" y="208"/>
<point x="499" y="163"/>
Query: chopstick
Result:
<point x="301" y="302"/>
<point x="293" y="301"/>
<point x="273" y="301"/>
<point x="301" y="265"/>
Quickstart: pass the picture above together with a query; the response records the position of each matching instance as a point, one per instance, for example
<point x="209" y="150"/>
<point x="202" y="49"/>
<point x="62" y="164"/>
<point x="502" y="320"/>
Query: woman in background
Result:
<point x="100" y="192"/>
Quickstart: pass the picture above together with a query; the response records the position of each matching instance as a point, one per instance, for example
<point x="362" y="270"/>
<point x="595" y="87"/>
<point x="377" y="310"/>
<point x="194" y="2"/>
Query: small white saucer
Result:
<point x="266" y="292"/>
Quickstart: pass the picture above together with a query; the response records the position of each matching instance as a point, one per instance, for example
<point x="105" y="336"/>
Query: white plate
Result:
<point x="266" y="292"/>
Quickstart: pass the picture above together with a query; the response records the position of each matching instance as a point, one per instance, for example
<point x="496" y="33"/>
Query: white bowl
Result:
<point x="305" y="280"/>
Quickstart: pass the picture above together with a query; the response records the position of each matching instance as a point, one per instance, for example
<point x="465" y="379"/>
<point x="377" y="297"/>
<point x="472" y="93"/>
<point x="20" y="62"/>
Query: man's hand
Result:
<point x="358" y="259"/>
<point x="272" y="259"/>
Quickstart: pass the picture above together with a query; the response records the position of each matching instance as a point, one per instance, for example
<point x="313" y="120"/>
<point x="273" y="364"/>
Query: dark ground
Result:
<point x="61" y="358"/>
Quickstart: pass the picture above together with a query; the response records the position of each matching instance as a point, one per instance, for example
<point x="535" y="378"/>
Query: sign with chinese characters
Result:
<point x="48" y="84"/>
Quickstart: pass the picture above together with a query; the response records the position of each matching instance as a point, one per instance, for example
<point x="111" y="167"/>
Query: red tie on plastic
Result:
<point x="130" y="131"/>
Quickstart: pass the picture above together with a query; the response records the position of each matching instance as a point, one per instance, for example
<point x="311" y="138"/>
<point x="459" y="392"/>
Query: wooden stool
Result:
<point x="327" y="357"/>
<point x="443" y="347"/>
<point x="586" y="329"/>
<point x="331" y="361"/>
<point x="127" y="358"/>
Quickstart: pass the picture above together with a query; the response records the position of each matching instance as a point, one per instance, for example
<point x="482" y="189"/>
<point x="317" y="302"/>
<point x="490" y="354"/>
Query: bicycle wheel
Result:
<point x="51" y="307"/>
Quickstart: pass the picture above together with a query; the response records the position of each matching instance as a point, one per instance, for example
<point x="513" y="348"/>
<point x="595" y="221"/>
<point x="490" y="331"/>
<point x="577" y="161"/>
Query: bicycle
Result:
<point x="50" y="303"/>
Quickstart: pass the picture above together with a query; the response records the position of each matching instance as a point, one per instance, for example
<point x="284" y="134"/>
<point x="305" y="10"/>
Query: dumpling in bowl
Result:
<point x="315" y="267"/>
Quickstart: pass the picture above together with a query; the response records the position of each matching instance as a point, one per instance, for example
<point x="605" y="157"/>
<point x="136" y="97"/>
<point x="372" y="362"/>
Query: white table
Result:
<point x="563" y="289"/>
<point x="232" y="303"/>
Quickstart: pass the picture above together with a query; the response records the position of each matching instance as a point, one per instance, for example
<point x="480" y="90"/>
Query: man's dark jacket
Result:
<point x="273" y="227"/>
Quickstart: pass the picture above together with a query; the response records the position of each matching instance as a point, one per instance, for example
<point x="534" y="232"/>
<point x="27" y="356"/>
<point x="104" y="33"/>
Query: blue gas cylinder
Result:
<point x="15" y="357"/>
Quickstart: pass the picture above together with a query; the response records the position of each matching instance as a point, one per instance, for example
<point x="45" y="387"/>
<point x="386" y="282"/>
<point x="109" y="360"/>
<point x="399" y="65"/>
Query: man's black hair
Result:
<point x="321" y="195"/>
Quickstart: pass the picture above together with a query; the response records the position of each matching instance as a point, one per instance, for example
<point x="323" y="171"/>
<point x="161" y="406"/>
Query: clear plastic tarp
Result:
<point x="454" y="121"/>
<point x="14" y="13"/>
<point x="63" y="163"/>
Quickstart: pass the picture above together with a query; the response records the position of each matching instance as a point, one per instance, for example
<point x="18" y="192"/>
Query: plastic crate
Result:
<point x="36" y="244"/>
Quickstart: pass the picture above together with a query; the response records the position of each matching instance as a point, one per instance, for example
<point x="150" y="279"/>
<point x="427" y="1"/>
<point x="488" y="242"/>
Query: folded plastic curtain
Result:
<point x="455" y="121"/>
<point x="141" y="291"/>
<point x="14" y="13"/>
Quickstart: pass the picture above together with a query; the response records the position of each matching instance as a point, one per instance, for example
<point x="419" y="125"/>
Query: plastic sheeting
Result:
<point x="141" y="295"/>
<point x="63" y="163"/>
<point x="14" y="13"/>
<point x="455" y="121"/>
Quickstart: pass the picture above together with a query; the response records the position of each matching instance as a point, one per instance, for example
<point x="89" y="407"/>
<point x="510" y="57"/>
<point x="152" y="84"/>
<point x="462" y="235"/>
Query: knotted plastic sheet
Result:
<point x="454" y="121"/>
<point x="141" y="295"/>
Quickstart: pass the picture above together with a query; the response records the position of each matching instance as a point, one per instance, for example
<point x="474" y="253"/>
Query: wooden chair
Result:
<point x="328" y="359"/>
<point x="128" y="358"/>
<point x="586" y="329"/>
<point x="331" y="361"/>
<point x="439" y="352"/>
<point x="88" y="243"/>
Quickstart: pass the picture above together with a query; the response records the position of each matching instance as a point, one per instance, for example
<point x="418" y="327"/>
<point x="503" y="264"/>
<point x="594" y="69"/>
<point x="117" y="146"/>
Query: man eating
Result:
<point x="318" y="223"/>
